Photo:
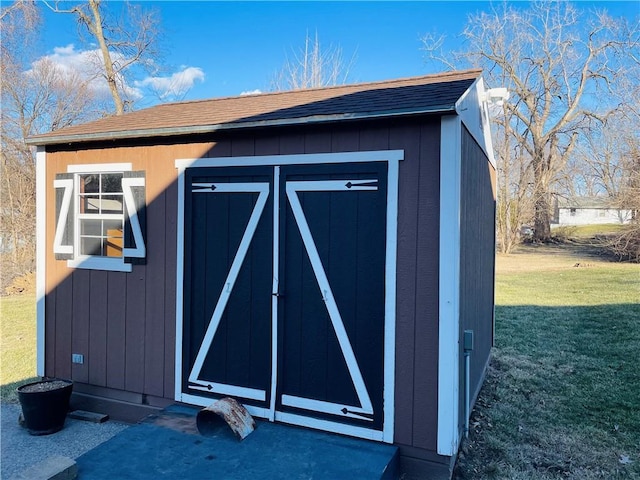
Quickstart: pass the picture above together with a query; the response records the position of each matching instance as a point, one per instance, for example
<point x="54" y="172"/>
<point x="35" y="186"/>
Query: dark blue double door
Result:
<point x="284" y="291"/>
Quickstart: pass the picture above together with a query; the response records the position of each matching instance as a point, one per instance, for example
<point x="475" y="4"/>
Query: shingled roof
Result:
<point x="417" y="95"/>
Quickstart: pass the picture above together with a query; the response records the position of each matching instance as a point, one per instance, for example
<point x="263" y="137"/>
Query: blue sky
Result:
<point x="226" y="48"/>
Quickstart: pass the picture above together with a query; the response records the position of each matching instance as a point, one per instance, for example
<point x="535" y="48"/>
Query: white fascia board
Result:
<point x="474" y="113"/>
<point x="41" y="250"/>
<point x="449" y="285"/>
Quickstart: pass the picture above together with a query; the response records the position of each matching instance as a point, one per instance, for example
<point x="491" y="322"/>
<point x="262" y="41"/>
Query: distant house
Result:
<point x="589" y="211"/>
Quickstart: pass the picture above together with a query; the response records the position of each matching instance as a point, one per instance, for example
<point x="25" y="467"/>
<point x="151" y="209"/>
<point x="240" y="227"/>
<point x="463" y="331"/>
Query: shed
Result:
<point x="317" y="254"/>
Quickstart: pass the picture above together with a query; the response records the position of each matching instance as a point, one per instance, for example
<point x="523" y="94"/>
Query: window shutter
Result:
<point x="63" y="240"/>
<point x="133" y="189"/>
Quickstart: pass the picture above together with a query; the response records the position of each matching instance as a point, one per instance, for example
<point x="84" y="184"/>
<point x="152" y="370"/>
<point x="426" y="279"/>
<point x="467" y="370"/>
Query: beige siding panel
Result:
<point x="100" y="300"/>
<point x="344" y="140"/>
<point x="477" y="256"/>
<point x="116" y="330"/>
<point x="292" y="143"/>
<point x="80" y="324"/>
<point x="154" y="358"/>
<point x="425" y="405"/>
<point x="267" y="145"/>
<point x="171" y="212"/>
<point x="406" y="138"/>
<point x="319" y="141"/>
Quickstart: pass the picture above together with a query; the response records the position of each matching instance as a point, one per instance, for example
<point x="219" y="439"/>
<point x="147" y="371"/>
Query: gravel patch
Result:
<point x="19" y="450"/>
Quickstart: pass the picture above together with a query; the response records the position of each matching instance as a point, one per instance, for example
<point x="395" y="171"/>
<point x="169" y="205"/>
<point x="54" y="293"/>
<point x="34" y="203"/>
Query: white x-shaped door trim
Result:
<point x="365" y="410"/>
<point x="195" y="382"/>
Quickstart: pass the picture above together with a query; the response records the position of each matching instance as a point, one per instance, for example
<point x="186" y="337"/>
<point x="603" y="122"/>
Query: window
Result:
<point x="100" y="217"/>
<point x="101" y="213"/>
<point x="572" y="212"/>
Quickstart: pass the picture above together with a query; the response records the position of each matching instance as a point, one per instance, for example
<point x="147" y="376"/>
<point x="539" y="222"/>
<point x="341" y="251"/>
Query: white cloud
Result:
<point x="257" y="91"/>
<point x="87" y="66"/>
<point x="174" y="85"/>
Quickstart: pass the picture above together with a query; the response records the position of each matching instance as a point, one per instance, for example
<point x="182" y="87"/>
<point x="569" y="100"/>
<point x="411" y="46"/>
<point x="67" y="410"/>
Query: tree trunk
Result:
<point x="541" y="195"/>
<point x="542" y="218"/>
<point x="110" y="73"/>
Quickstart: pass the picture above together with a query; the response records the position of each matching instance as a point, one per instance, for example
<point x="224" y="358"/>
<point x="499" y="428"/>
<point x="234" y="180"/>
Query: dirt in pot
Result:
<point x="44" y="386"/>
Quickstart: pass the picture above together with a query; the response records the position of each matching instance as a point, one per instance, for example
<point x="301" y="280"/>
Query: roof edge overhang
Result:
<point x="204" y="129"/>
<point x="472" y="100"/>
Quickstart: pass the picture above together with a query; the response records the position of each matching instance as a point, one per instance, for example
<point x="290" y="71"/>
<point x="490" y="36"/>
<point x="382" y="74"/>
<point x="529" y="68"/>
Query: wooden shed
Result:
<point x="317" y="254"/>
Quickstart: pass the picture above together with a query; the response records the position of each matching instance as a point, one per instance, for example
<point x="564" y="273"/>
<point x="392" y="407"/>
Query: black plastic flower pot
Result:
<point x="45" y="405"/>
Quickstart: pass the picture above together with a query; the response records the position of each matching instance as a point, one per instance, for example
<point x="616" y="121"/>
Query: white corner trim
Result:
<point x="449" y="285"/>
<point x="390" y="300"/>
<point x="41" y="250"/>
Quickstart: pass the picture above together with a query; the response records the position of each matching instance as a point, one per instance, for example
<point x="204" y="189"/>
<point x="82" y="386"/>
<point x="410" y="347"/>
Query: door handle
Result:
<point x="277" y="294"/>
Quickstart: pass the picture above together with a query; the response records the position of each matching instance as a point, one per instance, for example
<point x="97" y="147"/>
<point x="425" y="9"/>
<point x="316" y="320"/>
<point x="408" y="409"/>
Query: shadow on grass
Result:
<point x="8" y="392"/>
<point x="561" y="398"/>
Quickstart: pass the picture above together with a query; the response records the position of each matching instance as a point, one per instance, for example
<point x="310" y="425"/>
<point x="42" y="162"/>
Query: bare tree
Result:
<point x="313" y="66"/>
<point x="622" y="136"/>
<point x="14" y="171"/>
<point x="126" y="42"/>
<point x="20" y="13"/>
<point x="514" y="200"/>
<point x="36" y="97"/>
<point x="561" y="66"/>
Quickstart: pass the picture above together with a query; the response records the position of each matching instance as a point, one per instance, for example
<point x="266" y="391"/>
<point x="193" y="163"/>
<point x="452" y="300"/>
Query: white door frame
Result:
<point x="392" y="158"/>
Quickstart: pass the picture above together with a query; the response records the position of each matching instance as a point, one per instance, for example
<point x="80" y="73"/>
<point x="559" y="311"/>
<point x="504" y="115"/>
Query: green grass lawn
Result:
<point x="562" y="397"/>
<point x="17" y="343"/>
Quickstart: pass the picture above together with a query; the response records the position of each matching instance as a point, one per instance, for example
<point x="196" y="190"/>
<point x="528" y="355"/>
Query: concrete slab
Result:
<point x="168" y="446"/>
<point x="55" y="467"/>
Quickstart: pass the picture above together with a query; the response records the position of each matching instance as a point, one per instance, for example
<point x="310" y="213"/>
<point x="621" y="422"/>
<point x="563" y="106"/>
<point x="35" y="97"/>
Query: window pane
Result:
<point x="111" y="204"/>
<point x="112" y="182"/>
<point x="89" y="183"/>
<point x="112" y="228"/>
<point x="91" y="227"/>
<point x="89" y="204"/>
<point x="114" y="246"/>
<point x="90" y="246"/>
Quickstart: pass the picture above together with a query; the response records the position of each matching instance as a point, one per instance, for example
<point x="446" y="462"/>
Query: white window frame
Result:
<point x="114" y="264"/>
